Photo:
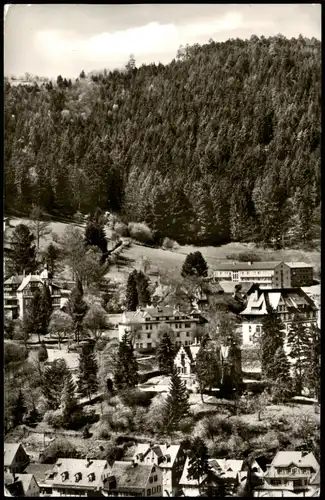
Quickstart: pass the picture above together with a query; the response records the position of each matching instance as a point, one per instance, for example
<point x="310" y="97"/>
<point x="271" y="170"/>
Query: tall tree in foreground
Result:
<point x="271" y="339"/>
<point x="126" y="369"/>
<point x="198" y="465"/>
<point x="60" y="326"/>
<point x="165" y="354"/>
<point x="207" y="369"/>
<point x="299" y="345"/>
<point x="19" y="409"/>
<point x="132" y="300"/>
<point x="280" y="374"/>
<point x="51" y="256"/>
<point x="94" y="233"/>
<point x="88" y="368"/>
<point x="143" y="289"/>
<point x="53" y="382"/>
<point x="95" y="321"/>
<point x="38" y="225"/>
<point x="77" y="308"/>
<point x="177" y="406"/>
<point x="34" y="318"/>
<point x="313" y="371"/>
<point x="194" y="265"/>
<point x="69" y="401"/>
<point x="23" y="255"/>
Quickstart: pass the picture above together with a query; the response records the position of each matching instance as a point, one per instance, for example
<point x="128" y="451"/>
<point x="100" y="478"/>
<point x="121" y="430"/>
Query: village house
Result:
<point x="134" y="479"/>
<point x="314" y="292"/>
<point x="275" y="274"/>
<point x="145" y="322"/>
<point x="169" y="457"/>
<point x="77" y="477"/>
<point x="231" y="471"/>
<point x="15" y="458"/>
<point x="40" y="473"/>
<point x="191" y="487"/>
<point x="290" y="471"/>
<point x="286" y="302"/>
<point x="185" y="362"/>
<point x="28" y="487"/>
<point x="18" y="293"/>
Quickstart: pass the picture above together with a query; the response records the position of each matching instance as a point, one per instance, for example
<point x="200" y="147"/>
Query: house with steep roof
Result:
<point x="78" y="477"/>
<point x="169" y="457"/>
<point x="28" y="487"/>
<point x="15" y="458"/>
<point x="290" y="471"/>
<point x="285" y="302"/>
<point x="134" y="479"/>
<point x="144" y="324"/>
<point x="40" y="473"/>
<point x="191" y="487"/>
<point x="184" y="362"/>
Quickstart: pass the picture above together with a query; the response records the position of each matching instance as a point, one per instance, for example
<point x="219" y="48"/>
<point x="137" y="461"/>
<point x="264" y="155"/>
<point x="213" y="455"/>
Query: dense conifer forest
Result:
<point x="221" y="144"/>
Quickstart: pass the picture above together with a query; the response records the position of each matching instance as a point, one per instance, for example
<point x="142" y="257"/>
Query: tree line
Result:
<point x="221" y="144"/>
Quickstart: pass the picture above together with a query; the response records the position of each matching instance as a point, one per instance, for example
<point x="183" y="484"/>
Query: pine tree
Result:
<point x="299" y="345"/>
<point x="51" y="256"/>
<point x="198" y="465"/>
<point x="42" y="353"/>
<point x="34" y="319"/>
<point x="53" y="382"/>
<point x="23" y="255"/>
<point x="77" y="308"/>
<point x="126" y="370"/>
<point x="88" y="368"/>
<point x="207" y="369"/>
<point x="313" y="370"/>
<point x="142" y="285"/>
<point x="94" y="232"/>
<point x="194" y="265"/>
<point x="271" y="339"/>
<point x="280" y="374"/>
<point x="165" y="354"/>
<point x="46" y="306"/>
<point x="177" y="405"/>
<point x="69" y="401"/>
<point x="132" y="300"/>
<point x="19" y="409"/>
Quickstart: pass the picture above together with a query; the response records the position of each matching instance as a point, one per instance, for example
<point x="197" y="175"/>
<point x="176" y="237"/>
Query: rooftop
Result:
<point x="285" y="458"/>
<point x="295" y="265"/>
<point x="10" y="450"/>
<point x="79" y="473"/>
<point x="243" y="266"/>
<point x="129" y="476"/>
<point x="28" y="279"/>
<point x="161" y="450"/>
<point x="39" y="471"/>
<point x="185" y="481"/>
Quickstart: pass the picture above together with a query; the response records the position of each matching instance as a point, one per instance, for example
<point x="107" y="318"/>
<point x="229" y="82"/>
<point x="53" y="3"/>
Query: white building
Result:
<point x="185" y="362"/>
<point x="191" y="487"/>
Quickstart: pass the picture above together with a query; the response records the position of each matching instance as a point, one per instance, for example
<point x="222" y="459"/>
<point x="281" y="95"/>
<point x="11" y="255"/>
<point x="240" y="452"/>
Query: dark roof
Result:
<point x="188" y="352"/>
<point x="129" y="477"/>
<point x="39" y="471"/>
<point x="157" y="451"/>
<point x="16" y="489"/>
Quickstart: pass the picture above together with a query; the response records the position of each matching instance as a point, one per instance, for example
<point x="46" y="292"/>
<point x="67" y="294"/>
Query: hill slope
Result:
<point x="221" y="144"/>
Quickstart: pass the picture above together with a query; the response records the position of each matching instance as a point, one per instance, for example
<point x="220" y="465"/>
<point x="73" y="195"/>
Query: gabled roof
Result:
<point x="10" y="451"/>
<point x="25" y="479"/>
<point x="129" y="476"/>
<point x="29" y="279"/>
<point x="228" y="465"/>
<point x="296" y="265"/>
<point x="74" y="466"/>
<point x="171" y="450"/>
<point x="185" y="481"/>
<point x="315" y="480"/>
<point x="239" y="266"/>
<point x="230" y="286"/>
<point x="286" y="458"/>
<point x="14" y="280"/>
<point x="293" y="298"/>
<point x="39" y="471"/>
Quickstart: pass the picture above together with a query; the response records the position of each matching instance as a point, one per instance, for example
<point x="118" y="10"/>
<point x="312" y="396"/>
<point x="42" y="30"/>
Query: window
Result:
<point x="148" y="492"/>
<point x="148" y="335"/>
<point x="187" y="325"/>
<point x="153" y="490"/>
<point x="149" y="345"/>
<point x="177" y="334"/>
<point x="187" y="334"/>
<point x="276" y="482"/>
<point x="258" y="329"/>
<point x="158" y="488"/>
<point x="249" y="328"/>
<point x="151" y="480"/>
<point x="141" y="346"/>
<point x="251" y="338"/>
<point x="153" y="469"/>
<point x="155" y="478"/>
<point x="137" y="345"/>
<point x="186" y="342"/>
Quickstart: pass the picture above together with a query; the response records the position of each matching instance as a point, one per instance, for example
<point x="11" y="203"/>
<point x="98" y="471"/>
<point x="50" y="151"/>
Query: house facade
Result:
<point x="15" y="458"/>
<point x="77" y="477"/>
<point x="145" y="322"/>
<point x="134" y="479"/>
<point x="191" y="487"/>
<point x="18" y="292"/>
<point x="170" y="458"/>
<point x="28" y="482"/>
<point x="275" y="274"/>
<point x="286" y="303"/>
<point x="185" y="363"/>
<point x="289" y="471"/>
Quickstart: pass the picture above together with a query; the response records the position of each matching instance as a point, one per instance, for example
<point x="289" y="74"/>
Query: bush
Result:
<point x="14" y="353"/>
<point x="137" y="398"/>
<point x="121" y="229"/>
<point x="42" y="353"/>
<point x="244" y="257"/>
<point x="186" y="425"/>
<point x="169" y="244"/>
<point x="58" y="449"/>
<point x="54" y="418"/>
<point x="80" y="418"/>
<point x="140" y="232"/>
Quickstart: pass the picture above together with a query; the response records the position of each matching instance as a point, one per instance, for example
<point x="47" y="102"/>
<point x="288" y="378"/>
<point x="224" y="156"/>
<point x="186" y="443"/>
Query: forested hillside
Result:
<point x="221" y="144"/>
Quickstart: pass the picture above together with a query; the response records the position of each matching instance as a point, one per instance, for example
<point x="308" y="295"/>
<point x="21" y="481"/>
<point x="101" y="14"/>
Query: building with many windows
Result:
<point x="275" y="274"/>
<point x="134" y="479"/>
<point x="285" y="302"/>
<point x="144" y="324"/>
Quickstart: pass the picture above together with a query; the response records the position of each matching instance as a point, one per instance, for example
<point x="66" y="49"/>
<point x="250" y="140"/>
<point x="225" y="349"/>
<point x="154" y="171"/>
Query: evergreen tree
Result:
<point x="19" y="409"/>
<point x="142" y="286"/>
<point x="165" y="354"/>
<point x="39" y="227"/>
<point x="271" y="339"/>
<point x="53" y="382"/>
<point x="95" y="233"/>
<point x="194" y="265"/>
<point x="126" y="369"/>
<point x="23" y="255"/>
<point x="34" y="319"/>
<point x="207" y="369"/>
<point x="88" y="368"/>
<point x="198" y="465"/>
<point x="177" y="406"/>
<point x="42" y="353"/>
<point x="77" y="308"/>
<point x="132" y="300"/>
<point x="69" y="401"/>
<point x="280" y="374"/>
<point x="51" y="256"/>
<point x="313" y="370"/>
<point x="46" y="306"/>
<point x="299" y="345"/>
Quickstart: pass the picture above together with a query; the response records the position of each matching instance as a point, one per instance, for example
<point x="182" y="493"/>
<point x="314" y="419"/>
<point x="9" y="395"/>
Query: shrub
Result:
<point x="80" y="418"/>
<point x="42" y="353"/>
<point x="54" y="418"/>
<point x="137" y="398"/>
<point x="186" y="425"/>
<point x="86" y="432"/>
<point x="244" y="257"/>
<point x="121" y="229"/>
<point x="168" y="244"/>
<point x="140" y="232"/>
<point x="58" y="448"/>
<point x="14" y="353"/>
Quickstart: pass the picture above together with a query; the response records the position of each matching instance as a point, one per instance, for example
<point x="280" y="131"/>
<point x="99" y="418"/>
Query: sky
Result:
<point x="52" y="39"/>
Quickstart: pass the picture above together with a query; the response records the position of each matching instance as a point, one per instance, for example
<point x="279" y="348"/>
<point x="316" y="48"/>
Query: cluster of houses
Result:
<point x="156" y="470"/>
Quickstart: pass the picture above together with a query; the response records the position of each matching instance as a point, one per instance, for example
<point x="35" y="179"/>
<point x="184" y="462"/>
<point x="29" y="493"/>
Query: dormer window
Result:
<point x="78" y="477"/>
<point x="91" y="477"/>
<point x="65" y="475"/>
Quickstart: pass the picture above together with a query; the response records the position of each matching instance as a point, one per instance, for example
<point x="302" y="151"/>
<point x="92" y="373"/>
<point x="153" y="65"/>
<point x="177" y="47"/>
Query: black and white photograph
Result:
<point x="162" y="250"/>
